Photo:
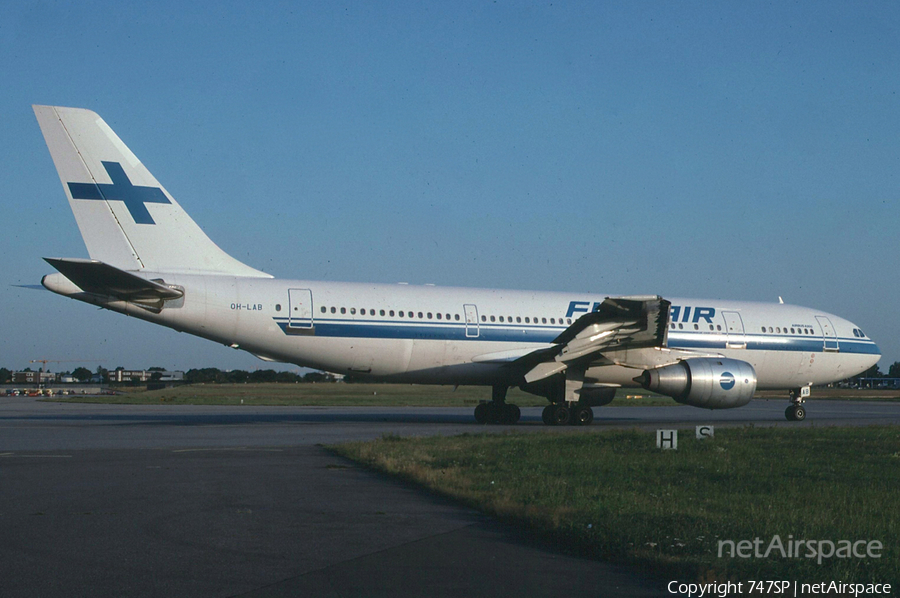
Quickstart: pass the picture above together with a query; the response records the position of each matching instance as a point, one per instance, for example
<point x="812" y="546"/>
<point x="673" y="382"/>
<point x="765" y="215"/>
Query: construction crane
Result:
<point x="46" y="361"/>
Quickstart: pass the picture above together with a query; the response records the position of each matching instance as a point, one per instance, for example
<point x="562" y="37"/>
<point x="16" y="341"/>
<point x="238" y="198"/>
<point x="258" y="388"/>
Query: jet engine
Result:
<point x="703" y="382"/>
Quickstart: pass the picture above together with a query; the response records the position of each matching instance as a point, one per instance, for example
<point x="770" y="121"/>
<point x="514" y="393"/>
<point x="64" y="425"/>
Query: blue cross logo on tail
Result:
<point x="121" y="189"/>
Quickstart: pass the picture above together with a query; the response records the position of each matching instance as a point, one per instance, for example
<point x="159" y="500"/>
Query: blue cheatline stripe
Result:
<point x="427" y="330"/>
<point x="332" y="327"/>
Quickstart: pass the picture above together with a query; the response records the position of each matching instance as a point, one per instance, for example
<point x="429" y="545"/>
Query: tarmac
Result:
<point x="116" y="500"/>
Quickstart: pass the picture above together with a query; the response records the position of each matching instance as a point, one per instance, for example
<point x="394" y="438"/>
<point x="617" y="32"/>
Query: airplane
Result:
<point x="150" y="260"/>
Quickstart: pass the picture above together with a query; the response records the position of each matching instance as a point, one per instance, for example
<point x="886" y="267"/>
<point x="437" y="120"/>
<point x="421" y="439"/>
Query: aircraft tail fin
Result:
<point x="127" y="219"/>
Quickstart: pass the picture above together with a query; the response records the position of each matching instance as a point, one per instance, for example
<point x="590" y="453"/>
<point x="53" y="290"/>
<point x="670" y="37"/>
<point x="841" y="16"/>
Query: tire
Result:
<point x="494" y="413"/>
<point x="481" y="415"/>
<point x="799" y="413"/>
<point x="511" y="414"/>
<point x="547" y="415"/>
<point x="584" y="415"/>
<point x="562" y="415"/>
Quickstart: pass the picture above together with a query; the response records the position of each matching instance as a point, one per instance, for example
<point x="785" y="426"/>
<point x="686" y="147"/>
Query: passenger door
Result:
<point x="300" y="308"/>
<point x="472" y="329"/>
<point x="734" y="326"/>
<point x="828" y="334"/>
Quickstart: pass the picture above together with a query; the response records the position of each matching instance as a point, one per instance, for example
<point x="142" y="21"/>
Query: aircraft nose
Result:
<point x="875" y="352"/>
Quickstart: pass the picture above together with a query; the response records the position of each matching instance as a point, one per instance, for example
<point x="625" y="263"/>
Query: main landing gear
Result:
<point x="563" y="414"/>
<point x="498" y="411"/>
<point x="796" y="412"/>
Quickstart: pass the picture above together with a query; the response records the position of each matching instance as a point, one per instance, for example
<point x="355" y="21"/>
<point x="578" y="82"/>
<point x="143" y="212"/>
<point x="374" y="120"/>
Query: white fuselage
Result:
<point x="447" y="335"/>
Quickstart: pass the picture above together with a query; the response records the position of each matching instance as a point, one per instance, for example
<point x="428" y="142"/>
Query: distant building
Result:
<point x="33" y="377"/>
<point x="144" y="376"/>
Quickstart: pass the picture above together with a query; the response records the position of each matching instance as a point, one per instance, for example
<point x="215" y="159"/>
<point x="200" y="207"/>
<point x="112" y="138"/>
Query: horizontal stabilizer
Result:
<point x="98" y="278"/>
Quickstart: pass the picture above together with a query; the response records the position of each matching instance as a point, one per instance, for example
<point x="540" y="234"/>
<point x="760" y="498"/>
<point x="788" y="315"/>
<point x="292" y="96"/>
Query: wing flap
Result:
<point x="620" y="323"/>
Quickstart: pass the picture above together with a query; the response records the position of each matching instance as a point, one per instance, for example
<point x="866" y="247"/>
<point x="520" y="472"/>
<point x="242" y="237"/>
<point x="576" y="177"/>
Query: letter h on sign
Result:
<point x="667" y="439"/>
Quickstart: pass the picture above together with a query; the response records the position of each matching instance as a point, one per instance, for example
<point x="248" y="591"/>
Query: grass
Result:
<point x="614" y="496"/>
<point x="336" y="395"/>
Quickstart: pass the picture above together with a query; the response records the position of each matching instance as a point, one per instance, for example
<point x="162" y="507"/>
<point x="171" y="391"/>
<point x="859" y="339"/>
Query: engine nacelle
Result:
<point x="703" y="382"/>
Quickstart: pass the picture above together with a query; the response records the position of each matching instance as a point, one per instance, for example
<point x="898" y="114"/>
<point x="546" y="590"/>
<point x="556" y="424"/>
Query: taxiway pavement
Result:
<point x="115" y="500"/>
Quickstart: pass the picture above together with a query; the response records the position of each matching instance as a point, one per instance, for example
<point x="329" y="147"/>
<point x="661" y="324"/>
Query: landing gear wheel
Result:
<point x="481" y="413"/>
<point x="494" y="413"/>
<point x="562" y="415"/>
<point x="547" y="415"/>
<point x="795" y="413"/>
<point x="510" y="414"/>
<point x="584" y="415"/>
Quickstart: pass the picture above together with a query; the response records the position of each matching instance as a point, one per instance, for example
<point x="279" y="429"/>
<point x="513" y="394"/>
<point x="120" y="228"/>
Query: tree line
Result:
<point x="217" y="376"/>
<point x="202" y="375"/>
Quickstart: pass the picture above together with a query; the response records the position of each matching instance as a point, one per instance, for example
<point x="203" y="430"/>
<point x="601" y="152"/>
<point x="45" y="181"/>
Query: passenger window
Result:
<point x="400" y="314"/>
<point x="429" y="315"/>
<point x="439" y="316"/>
<point x="391" y="313"/>
<point x="696" y="327"/>
<point x="501" y="318"/>
<point x="343" y="310"/>
<point x="456" y="317"/>
<point x="763" y="328"/>
<point x="492" y="318"/>
<point x="569" y="321"/>
<point x="553" y="320"/>
<point x="352" y="311"/>
<point x="484" y="318"/>
<point x="719" y="327"/>
<point x="792" y="331"/>
<point x="420" y="315"/>
<point x="381" y="312"/>
<point x="681" y="327"/>
<point x="518" y="320"/>
<point x="527" y="320"/>
<point x="543" y="320"/>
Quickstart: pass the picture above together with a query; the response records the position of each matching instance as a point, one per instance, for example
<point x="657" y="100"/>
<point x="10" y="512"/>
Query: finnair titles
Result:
<point x="150" y="260"/>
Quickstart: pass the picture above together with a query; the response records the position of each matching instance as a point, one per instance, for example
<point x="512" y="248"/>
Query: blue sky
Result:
<point x="734" y="150"/>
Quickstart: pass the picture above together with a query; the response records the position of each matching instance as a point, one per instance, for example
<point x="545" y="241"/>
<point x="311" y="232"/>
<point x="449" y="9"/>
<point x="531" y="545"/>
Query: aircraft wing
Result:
<point x="619" y="323"/>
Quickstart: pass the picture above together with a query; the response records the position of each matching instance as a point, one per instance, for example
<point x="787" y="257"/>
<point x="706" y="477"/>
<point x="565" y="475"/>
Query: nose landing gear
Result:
<point x="796" y="412"/>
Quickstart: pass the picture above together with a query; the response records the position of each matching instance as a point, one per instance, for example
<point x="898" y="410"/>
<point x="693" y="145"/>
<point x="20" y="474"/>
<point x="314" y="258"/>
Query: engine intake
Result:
<point x="703" y="382"/>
